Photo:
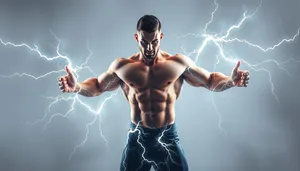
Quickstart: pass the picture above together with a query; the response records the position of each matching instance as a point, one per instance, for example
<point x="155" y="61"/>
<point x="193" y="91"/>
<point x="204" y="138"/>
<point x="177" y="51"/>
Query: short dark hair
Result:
<point x="148" y="23"/>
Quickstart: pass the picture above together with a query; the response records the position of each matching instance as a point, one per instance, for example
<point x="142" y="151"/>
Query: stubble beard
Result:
<point x="150" y="57"/>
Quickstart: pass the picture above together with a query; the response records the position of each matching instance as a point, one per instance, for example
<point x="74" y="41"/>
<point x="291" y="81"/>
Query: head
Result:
<point x="148" y="35"/>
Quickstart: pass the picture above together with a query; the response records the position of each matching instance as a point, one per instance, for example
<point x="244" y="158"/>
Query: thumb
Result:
<point x="68" y="70"/>
<point x="237" y="66"/>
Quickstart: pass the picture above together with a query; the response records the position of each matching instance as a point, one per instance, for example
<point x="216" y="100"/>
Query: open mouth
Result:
<point x="149" y="53"/>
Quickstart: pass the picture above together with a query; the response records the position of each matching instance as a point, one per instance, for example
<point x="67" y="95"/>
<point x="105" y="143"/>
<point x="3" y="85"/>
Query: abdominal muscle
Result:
<point x="152" y="108"/>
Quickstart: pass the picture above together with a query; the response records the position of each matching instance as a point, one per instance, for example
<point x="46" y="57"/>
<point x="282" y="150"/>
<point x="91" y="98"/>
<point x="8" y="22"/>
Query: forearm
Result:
<point x="219" y="82"/>
<point x="88" y="88"/>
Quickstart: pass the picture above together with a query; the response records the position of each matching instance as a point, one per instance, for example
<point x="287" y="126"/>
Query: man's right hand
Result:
<point x="68" y="82"/>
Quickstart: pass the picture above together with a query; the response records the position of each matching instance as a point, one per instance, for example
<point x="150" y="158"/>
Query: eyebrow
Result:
<point x="151" y="41"/>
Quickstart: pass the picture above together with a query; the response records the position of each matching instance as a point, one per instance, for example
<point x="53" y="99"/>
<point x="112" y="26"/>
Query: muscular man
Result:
<point x="151" y="81"/>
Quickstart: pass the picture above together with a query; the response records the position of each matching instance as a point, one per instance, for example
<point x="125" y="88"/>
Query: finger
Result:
<point x="240" y="84"/>
<point x="247" y="73"/>
<point x="68" y="90"/>
<point x="246" y="84"/>
<point x="68" y="70"/>
<point x="247" y="78"/>
<point x="60" y="83"/>
<point x="65" y="85"/>
<point x="237" y="65"/>
<point x="61" y="87"/>
<point x="60" y="78"/>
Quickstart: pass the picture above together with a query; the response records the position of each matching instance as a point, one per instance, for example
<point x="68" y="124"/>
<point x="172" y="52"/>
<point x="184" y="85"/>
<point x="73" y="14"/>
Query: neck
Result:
<point x="148" y="61"/>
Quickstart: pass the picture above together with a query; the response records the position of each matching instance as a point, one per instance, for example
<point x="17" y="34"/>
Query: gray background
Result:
<point x="261" y="134"/>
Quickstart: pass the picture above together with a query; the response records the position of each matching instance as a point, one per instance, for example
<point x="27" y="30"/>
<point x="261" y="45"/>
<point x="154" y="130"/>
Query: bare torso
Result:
<point x="152" y="90"/>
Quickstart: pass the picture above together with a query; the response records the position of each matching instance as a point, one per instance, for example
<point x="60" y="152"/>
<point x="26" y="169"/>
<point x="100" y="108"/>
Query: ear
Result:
<point x="161" y="35"/>
<point x="136" y="37"/>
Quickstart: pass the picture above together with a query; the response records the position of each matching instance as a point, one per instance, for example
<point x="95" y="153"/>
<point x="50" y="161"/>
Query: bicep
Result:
<point x="197" y="76"/>
<point x="108" y="81"/>
<point x="193" y="74"/>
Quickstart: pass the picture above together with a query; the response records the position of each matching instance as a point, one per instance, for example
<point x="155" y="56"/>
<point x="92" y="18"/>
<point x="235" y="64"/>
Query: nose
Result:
<point x="149" y="47"/>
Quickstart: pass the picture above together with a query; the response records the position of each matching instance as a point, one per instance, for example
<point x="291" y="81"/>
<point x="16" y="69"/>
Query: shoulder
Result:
<point x="119" y="63"/>
<point x="182" y="59"/>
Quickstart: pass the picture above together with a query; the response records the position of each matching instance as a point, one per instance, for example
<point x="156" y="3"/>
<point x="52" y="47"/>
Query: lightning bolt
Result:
<point x="74" y="99"/>
<point x="164" y="146"/>
<point x="215" y="39"/>
<point x="218" y="41"/>
<point x="140" y="133"/>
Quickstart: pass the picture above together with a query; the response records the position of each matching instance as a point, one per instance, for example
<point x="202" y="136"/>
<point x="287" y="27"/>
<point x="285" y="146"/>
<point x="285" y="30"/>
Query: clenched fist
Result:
<point x="67" y="83"/>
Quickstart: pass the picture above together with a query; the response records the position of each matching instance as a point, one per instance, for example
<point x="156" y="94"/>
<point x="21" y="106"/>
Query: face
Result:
<point x="149" y="43"/>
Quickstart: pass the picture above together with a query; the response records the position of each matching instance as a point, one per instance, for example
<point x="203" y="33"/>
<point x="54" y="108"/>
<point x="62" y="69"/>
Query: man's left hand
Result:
<point x="240" y="78"/>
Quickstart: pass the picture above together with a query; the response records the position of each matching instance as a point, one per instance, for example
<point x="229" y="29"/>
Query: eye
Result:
<point x="143" y="42"/>
<point x="155" y="42"/>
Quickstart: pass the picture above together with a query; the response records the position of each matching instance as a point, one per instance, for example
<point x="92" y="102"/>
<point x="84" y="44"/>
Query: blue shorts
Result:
<point x="157" y="147"/>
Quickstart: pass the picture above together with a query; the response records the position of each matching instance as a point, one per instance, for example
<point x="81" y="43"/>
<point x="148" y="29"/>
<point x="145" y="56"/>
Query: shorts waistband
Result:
<point x="171" y="127"/>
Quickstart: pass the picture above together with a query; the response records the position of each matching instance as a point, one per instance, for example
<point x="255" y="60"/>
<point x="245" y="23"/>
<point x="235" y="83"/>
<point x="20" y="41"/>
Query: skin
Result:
<point x="151" y="80"/>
